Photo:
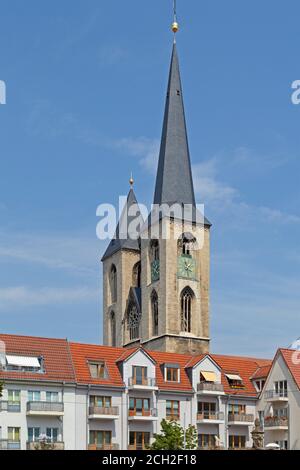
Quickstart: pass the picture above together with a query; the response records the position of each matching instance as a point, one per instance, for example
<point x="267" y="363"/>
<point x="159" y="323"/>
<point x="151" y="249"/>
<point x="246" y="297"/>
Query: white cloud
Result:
<point x="146" y="150"/>
<point x="22" y="297"/>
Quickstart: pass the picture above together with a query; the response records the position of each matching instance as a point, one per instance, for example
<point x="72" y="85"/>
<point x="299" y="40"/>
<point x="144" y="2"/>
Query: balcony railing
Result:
<point x="145" y="382"/>
<point x="107" y="411"/>
<point x="273" y="394"/>
<point x="10" y="406"/>
<point x="210" y="416"/>
<point x="3" y="444"/>
<point x="143" y="413"/>
<point x="103" y="447"/>
<point x="13" y="445"/>
<point x="137" y="447"/>
<point x="241" y="418"/>
<point x="45" y="445"/>
<point x="45" y="407"/>
<point x="275" y="421"/>
<point x="210" y="387"/>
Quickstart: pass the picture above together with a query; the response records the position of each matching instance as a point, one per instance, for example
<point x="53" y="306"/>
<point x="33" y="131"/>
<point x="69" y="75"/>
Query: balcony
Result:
<point x="3" y="444"/>
<point x="276" y="396"/>
<point x="144" y="415"/>
<point x="241" y="419"/>
<point x="44" y="408"/>
<point x="10" y="406"/>
<point x="210" y="388"/>
<point x="99" y="412"/>
<point x="212" y="418"/>
<point x="142" y="384"/>
<point x="45" y="445"/>
<point x="103" y="447"/>
<point x="138" y="447"/>
<point x="13" y="445"/>
<point x="275" y="423"/>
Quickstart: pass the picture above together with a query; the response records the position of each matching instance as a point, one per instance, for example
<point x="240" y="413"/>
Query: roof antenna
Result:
<point x="175" y="25"/>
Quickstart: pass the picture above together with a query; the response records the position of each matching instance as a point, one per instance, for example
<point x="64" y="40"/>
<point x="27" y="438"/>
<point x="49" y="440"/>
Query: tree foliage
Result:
<point x="172" y="437"/>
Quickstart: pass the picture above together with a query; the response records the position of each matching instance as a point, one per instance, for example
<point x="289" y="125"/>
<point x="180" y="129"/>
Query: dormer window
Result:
<point x="24" y="364"/>
<point x="172" y="373"/>
<point x="235" y="381"/>
<point x="98" y="370"/>
<point x="208" y="377"/>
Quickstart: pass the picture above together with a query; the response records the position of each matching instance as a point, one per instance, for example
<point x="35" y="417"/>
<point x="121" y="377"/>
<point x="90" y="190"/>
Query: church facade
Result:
<point x="156" y="287"/>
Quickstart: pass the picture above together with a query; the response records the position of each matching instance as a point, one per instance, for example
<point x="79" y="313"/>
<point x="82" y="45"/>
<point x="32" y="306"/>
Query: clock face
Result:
<point x="155" y="271"/>
<point x="186" y="267"/>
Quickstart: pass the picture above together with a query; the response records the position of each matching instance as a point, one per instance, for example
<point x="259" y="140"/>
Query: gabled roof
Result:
<point x="83" y="354"/>
<point x="124" y="239"/>
<point x="292" y="358"/>
<point x="55" y="352"/>
<point x="262" y="372"/>
<point x="128" y="353"/>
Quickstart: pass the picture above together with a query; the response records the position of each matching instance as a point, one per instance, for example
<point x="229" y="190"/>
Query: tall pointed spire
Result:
<point x="174" y="182"/>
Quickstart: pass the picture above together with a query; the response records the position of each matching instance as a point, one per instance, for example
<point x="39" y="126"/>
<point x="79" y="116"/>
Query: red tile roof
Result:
<point x="57" y="359"/>
<point x="292" y="360"/>
<point x="262" y="372"/>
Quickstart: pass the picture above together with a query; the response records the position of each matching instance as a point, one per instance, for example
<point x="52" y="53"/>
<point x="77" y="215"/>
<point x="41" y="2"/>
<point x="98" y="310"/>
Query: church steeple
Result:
<point x="174" y="182"/>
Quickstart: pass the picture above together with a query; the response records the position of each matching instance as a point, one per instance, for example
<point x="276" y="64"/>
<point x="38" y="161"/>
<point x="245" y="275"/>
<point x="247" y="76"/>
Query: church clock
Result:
<point x="186" y="267"/>
<point x="155" y="271"/>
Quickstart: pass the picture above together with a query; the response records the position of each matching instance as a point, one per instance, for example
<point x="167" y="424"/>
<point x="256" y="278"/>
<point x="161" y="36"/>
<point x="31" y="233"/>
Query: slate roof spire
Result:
<point x="174" y="182"/>
<point x="123" y="239"/>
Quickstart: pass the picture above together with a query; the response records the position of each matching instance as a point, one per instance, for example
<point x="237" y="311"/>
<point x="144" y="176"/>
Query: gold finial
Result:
<point x="131" y="180"/>
<point x="175" y="25"/>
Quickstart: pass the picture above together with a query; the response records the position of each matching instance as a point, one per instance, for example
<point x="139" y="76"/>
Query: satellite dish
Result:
<point x="295" y="345"/>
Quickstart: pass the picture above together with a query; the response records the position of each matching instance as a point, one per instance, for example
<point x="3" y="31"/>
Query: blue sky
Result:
<point x="86" y="85"/>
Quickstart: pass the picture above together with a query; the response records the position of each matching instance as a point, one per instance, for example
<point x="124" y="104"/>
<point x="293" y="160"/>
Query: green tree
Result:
<point x="172" y="437"/>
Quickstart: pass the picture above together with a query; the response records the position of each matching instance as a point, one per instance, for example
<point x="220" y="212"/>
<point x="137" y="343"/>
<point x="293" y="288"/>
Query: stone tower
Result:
<point x="162" y="279"/>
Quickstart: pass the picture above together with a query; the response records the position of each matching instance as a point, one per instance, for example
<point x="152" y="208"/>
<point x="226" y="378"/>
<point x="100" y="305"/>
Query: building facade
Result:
<point x="62" y="395"/>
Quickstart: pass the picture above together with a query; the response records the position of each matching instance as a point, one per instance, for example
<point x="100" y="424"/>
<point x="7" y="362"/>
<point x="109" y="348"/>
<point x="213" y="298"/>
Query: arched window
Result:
<point x="113" y="284"/>
<point x="154" y="250"/>
<point x="133" y="322"/>
<point x="113" y="331"/>
<point x="186" y="244"/>
<point x="187" y="296"/>
<point x="154" y="308"/>
<point x="136" y="275"/>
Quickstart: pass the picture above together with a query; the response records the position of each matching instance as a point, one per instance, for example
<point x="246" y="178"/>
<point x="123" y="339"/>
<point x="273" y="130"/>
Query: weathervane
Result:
<point x="175" y="25"/>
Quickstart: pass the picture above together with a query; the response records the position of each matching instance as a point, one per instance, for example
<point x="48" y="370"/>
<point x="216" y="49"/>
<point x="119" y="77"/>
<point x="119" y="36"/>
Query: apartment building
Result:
<point x="75" y="396"/>
<point x="279" y="404"/>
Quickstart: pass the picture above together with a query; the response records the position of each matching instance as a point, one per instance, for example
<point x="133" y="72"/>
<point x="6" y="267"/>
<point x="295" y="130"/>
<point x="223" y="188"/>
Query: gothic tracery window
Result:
<point x="154" y="250"/>
<point x="133" y="322"/>
<point x="154" y="308"/>
<point x="187" y="296"/>
<point x="113" y="284"/>
<point x="186" y="244"/>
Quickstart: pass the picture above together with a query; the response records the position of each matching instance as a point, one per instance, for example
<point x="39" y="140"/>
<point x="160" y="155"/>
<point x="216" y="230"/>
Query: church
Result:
<point x="156" y="288"/>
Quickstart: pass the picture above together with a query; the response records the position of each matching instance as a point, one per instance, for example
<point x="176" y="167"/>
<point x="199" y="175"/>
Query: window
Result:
<point x="237" y="442"/>
<point x="154" y="250"/>
<point x="100" y="439"/>
<point x="13" y="434"/>
<point x="235" y="409"/>
<point x="139" y="406"/>
<point x="208" y="377"/>
<point x="23" y="364"/>
<point x="172" y="409"/>
<point x="172" y="373"/>
<point x="100" y="402"/>
<point x="136" y="275"/>
<point x="280" y="412"/>
<point x="34" y="395"/>
<point x="154" y="308"/>
<point x="206" y="441"/>
<point x="235" y="381"/>
<point x="52" y="434"/>
<point x="133" y="322"/>
<point x="283" y="444"/>
<point x="113" y="284"/>
<point x="98" y="370"/>
<point x="186" y="244"/>
<point x="33" y="434"/>
<point x="281" y="388"/>
<point x="52" y="397"/>
<point x="259" y="384"/>
<point x="139" y="440"/>
<point x="140" y="375"/>
<point x="186" y="309"/>
<point x="113" y="332"/>
<point x="207" y="410"/>
<point x="14" y="401"/>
